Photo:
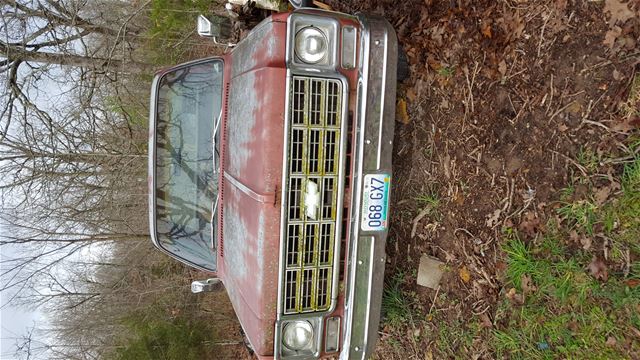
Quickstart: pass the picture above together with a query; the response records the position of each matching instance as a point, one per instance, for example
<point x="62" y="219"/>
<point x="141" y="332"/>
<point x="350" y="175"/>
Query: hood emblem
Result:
<point x="311" y="200"/>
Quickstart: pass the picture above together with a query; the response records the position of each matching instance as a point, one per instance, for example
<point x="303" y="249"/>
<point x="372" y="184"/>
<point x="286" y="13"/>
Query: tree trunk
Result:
<point x="14" y="53"/>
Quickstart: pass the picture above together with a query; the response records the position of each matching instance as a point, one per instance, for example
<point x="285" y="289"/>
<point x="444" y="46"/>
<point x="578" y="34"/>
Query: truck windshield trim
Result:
<point x="186" y="106"/>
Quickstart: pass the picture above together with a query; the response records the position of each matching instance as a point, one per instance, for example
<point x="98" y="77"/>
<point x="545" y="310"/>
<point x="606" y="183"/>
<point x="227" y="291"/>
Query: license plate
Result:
<point x="375" y="204"/>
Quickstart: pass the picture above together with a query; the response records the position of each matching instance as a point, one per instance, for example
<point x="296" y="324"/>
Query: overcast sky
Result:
<point x="14" y="322"/>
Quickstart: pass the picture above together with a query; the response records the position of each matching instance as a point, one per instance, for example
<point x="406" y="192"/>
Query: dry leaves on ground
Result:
<point x="464" y="274"/>
<point x="530" y="224"/>
<point x="619" y="11"/>
<point x="598" y="269"/>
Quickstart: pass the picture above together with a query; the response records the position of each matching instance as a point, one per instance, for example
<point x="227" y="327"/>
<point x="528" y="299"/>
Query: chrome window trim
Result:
<point x="151" y="161"/>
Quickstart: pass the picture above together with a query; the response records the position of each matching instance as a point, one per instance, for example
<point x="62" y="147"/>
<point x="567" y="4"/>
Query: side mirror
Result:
<point x="217" y="27"/>
<point x="208" y="285"/>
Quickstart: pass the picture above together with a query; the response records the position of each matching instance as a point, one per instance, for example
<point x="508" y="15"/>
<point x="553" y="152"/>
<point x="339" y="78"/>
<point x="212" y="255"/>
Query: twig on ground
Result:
<point x="580" y="167"/>
<point x="595" y="123"/>
<point x="561" y="110"/>
<point x="551" y="91"/>
<point x="542" y="34"/>
<point x="608" y="62"/>
<point x="417" y="219"/>
<point x="433" y="302"/>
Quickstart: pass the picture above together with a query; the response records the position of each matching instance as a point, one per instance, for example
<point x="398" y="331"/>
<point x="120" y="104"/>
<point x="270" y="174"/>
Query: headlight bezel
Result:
<point x="329" y="27"/>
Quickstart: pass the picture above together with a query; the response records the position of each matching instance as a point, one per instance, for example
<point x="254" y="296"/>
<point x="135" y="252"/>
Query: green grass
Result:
<point x="581" y="214"/>
<point x="447" y="71"/>
<point x="395" y="303"/>
<point x="455" y="338"/>
<point x="588" y="159"/>
<point x="569" y="314"/>
<point x="431" y="200"/>
<point x="171" y="22"/>
<point x="632" y="106"/>
<point x="153" y="334"/>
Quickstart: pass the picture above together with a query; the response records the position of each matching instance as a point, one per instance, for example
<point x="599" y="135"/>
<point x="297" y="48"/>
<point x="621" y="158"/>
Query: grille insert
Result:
<point x="311" y="189"/>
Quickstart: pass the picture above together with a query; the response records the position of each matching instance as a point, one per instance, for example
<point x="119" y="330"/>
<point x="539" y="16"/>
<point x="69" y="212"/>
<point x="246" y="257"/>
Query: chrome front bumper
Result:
<point x="375" y="118"/>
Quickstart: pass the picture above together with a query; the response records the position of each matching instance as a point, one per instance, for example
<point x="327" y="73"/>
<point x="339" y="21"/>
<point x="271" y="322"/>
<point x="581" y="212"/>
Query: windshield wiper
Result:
<point x="214" y="206"/>
<point x="213" y="141"/>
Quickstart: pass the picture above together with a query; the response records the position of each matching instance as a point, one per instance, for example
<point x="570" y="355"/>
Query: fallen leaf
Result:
<point x="486" y="30"/>
<point x="611" y="341"/>
<point x="573" y="326"/>
<point x="629" y="42"/>
<point x="586" y="242"/>
<point x="561" y="5"/>
<point x="464" y="274"/>
<point x="530" y="224"/>
<point x="527" y="284"/>
<point x="515" y="297"/>
<point x="617" y="75"/>
<point x="620" y="12"/>
<point x="401" y="112"/>
<point x="627" y="125"/>
<point x="486" y="322"/>
<point x="428" y="355"/>
<point x="574" y="237"/>
<point x="611" y="36"/>
<point x="492" y="220"/>
<point x="632" y="283"/>
<point x="601" y="195"/>
<point x="574" y="108"/>
<point x="502" y="68"/>
<point x="433" y="63"/>
<point x="563" y="128"/>
<point x="598" y="269"/>
<point x="411" y="94"/>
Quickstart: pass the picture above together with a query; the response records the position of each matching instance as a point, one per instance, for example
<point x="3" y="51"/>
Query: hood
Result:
<point x="252" y="179"/>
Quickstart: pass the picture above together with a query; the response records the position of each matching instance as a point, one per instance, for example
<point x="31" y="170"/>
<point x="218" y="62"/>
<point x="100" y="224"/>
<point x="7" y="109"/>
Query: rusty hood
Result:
<point x="252" y="177"/>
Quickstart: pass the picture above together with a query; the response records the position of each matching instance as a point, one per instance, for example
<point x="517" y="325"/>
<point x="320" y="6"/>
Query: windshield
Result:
<point x="188" y="105"/>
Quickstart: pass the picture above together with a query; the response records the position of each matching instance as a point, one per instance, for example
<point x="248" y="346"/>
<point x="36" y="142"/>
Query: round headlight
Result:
<point x="297" y="335"/>
<point x="311" y="45"/>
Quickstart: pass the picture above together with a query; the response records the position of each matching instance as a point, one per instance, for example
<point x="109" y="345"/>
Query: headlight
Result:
<point x="297" y="335"/>
<point x="311" y="45"/>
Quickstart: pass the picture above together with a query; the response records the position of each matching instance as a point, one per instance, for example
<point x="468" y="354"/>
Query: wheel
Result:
<point x="403" y="65"/>
<point x="301" y="3"/>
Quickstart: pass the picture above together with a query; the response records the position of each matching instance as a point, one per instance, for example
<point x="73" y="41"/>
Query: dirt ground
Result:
<point x="503" y="97"/>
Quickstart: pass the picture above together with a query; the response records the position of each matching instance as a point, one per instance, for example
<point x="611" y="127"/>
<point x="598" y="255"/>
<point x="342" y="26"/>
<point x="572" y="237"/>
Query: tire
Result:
<point x="301" y="3"/>
<point x="403" y="65"/>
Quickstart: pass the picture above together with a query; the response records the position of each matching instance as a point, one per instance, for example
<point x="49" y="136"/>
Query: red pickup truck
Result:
<point x="270" y="168"/>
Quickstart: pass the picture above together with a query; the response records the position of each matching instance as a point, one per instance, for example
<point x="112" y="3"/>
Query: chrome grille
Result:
<point x="313" y="153"/>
